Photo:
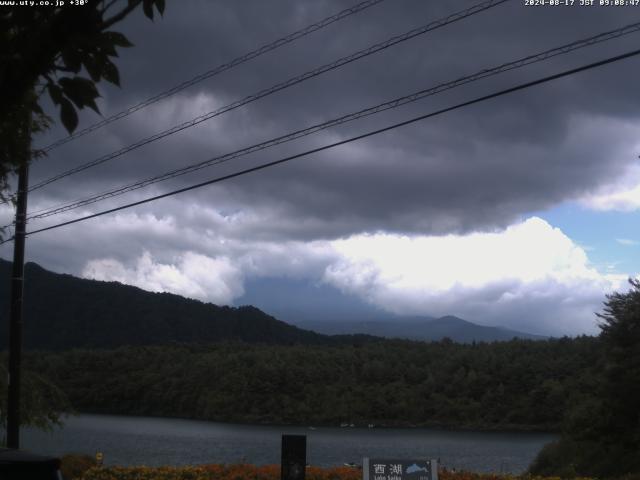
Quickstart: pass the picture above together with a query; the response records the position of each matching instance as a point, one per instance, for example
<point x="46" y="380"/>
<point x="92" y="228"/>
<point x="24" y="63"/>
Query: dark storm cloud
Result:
<point x="478" y="168"/>
<point x="473" y="169"/>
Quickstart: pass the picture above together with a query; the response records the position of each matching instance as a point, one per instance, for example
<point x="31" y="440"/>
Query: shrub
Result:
<point x="75" y="465"/>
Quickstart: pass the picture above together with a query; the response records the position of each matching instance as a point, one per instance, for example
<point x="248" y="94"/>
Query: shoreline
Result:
<point x="311" y="426"/>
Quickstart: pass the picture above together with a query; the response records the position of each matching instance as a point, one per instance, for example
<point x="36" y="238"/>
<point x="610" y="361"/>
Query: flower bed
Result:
<point x="267" y="472"/>
<point x="215" y="472"/>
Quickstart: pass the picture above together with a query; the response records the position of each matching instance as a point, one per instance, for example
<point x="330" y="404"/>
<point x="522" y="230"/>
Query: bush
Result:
<point x="567" y="458"/>
<point x="75" y="465"/>
<point x="556" y="459"/>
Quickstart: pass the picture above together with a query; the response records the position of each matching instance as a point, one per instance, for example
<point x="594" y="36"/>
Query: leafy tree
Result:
<point x="601" y="435"/>
<point x="63" y="51"/>
<point x="42" y="402"/>
<point x="620" y="335"/>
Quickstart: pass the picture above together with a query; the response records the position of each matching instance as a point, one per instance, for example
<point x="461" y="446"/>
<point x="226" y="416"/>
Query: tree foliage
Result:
<point x="620" y="335"/>
<point x="517" y="384"/>
<point x="602" y="430"/>
<point x="42" y="403"/>
<point x="63" y="51"/>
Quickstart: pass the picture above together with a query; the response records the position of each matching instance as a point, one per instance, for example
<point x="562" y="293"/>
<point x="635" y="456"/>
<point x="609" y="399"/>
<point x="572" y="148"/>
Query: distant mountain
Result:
<point x="421" y="328"/>
<point x="298" y="301"/>
<point x="325" y="309"/>
<point x="62" y="312"/>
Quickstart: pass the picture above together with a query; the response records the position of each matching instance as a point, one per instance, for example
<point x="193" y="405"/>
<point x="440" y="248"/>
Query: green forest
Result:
<point x="505" y="385"/>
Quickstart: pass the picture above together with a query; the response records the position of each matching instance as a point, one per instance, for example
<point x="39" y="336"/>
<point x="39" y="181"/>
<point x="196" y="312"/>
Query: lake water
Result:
<point x="162" y="441"/>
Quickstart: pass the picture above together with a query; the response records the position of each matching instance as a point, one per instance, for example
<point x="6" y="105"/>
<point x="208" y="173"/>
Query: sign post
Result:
<point x="294" y="457"/>
<point x="397" y="469"/>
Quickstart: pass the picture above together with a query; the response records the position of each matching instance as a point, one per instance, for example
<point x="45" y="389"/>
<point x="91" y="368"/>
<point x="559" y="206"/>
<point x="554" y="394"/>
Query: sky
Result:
<point x="522" y="211"/>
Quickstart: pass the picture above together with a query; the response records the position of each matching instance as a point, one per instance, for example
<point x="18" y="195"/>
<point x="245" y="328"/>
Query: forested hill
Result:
<point x="62" y="312"/>
<point x="519" y="384"/>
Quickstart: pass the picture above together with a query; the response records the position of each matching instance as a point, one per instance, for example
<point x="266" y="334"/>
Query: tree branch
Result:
<point x="121" y="15"/>
<point x="108" y="5"/>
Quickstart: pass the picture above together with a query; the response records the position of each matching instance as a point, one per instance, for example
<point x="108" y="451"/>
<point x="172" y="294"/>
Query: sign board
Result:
<point x="397" y="469"/>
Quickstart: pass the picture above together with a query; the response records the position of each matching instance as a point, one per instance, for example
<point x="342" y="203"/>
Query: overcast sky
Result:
<point x="521" y="211"/>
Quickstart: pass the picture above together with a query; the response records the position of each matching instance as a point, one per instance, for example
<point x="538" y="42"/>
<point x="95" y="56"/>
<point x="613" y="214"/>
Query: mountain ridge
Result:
<point x="322" y="308"/>
<point x="62" y="311"/>
<point x="422" y="329"/>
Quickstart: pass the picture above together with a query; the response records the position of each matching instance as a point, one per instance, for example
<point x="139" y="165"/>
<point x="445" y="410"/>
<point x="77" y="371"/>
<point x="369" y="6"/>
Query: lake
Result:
<point x="164" y="441"/>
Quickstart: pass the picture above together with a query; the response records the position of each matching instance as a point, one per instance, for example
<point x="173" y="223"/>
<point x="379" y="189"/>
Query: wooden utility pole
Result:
<point x="17" y="288"/>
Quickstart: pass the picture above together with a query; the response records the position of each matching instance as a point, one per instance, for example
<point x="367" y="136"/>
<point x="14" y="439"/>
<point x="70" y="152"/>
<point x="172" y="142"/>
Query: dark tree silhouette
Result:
<point x="601" y="435"/>
<point x="620" y="335"/>
<point x="46" y="49"/>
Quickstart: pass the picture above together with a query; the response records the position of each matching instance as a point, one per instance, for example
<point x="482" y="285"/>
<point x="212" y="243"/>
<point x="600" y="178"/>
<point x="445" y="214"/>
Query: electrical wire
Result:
<point x="217" y="70"/>
<point x="454" y="17"/>
<point x="522" y="62"/>
<point x="484" y="98"/>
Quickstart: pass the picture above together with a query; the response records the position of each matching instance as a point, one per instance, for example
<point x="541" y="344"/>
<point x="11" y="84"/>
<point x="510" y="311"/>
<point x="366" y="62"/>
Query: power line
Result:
<point x="454" y="17"/>
<point x="500" y="93"/>
<point x="538" y="57"/>
<point x="219" y="69"/>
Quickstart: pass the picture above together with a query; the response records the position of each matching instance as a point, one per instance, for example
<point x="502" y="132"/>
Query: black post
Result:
<point x="294" y="457"/>
<point x="15" y="325"/>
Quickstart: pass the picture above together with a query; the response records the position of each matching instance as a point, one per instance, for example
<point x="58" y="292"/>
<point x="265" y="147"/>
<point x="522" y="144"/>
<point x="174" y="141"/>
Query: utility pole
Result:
<point x="17" y="288"/>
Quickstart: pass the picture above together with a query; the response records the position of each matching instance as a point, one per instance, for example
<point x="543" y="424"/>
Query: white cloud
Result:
<point x="621" y="195"/>
<point x="627" y="242"/>
<point x="625" y="200"/>
<point x="530" y="275"/>
<point x="192" y="275"/>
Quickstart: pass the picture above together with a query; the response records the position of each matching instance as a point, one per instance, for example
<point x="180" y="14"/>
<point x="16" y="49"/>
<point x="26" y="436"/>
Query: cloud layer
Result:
<point x="474" y="169"/>
<point x="529" y="276"/>
<point x="193" y="275"/>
